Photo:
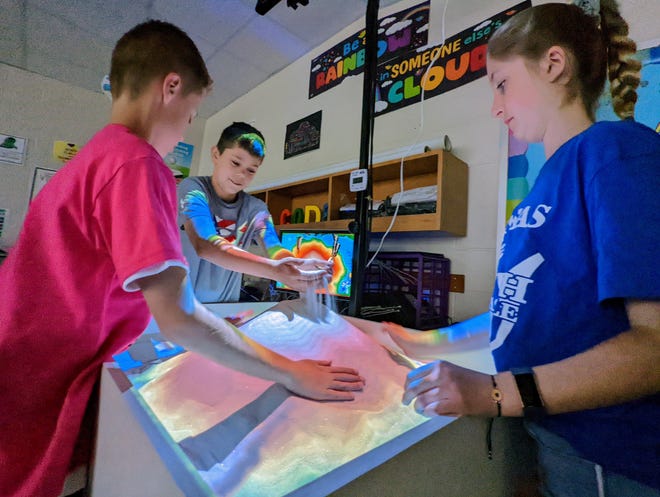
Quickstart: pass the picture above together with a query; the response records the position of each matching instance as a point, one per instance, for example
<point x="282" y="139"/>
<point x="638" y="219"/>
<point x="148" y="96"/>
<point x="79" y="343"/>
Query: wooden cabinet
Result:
<point x="436" y="167"/>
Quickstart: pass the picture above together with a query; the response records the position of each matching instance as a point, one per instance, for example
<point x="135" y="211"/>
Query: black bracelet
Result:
<point x="496" y="395"/>
<point x="533" y="407"/>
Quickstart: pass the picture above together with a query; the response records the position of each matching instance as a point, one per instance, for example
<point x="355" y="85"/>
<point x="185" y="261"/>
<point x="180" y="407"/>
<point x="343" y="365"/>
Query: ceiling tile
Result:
<point x="214" y="21"/>
<point x="72" y="40"/>
<point x="101" y="19"/>
<point x="76" y="57"/>
<point x="265" y="43"/>
<point x="12" y="34"/>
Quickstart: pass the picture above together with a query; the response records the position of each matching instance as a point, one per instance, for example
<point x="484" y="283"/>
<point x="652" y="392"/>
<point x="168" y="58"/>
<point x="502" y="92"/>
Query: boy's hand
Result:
<point x="240" y="317"/>
<point x="310" y="265"/>
<point x="316" y="264"/>
<point x="289" y="272"/>
<point x="320" y="380"/>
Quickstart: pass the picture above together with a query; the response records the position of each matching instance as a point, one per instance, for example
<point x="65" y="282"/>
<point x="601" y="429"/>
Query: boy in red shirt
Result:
<point x="98" y="254"/>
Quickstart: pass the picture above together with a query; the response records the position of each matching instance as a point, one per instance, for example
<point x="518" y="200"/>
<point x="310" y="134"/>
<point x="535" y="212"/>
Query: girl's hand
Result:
<point x="442" y="388"/>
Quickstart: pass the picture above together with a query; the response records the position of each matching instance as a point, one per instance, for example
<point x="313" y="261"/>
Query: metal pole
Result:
<point x="362" y="224"/>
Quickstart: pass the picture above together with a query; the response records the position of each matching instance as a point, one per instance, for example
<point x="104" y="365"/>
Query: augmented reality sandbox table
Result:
<point x="219" y="432"/>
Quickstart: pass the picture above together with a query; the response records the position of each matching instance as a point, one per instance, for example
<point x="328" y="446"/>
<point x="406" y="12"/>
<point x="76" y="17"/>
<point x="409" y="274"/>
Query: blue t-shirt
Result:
<point x="585" y="238"/>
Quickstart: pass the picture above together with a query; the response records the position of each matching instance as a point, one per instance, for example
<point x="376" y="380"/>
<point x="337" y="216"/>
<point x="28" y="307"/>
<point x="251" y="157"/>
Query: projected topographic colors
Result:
<point x="231" y="434"/>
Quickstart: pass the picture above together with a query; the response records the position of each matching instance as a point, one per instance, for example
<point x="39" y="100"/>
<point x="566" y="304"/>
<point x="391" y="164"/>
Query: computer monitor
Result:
<point x="321" y="245"/>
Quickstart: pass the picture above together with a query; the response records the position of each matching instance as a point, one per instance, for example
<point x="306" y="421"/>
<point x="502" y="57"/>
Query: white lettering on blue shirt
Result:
<point x="511" y="289"/>
<point x="526" y="218"/>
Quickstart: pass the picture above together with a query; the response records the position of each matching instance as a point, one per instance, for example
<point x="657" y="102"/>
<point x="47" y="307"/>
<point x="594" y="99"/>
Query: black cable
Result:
<point x="489" y="438"/>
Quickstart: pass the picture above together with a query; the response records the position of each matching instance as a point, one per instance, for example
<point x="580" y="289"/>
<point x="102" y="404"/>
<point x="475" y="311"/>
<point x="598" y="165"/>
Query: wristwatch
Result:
<point x="533" y="407"/>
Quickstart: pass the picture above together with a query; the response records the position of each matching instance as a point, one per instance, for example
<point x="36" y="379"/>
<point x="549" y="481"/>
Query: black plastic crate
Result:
<point x="410" y="288"/>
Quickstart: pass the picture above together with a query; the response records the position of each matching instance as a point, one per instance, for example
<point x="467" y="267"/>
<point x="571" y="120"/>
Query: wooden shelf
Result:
<point x="436" y="167"/>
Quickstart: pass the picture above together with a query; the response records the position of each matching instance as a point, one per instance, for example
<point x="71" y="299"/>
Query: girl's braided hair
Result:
<point x="597" y="46"/>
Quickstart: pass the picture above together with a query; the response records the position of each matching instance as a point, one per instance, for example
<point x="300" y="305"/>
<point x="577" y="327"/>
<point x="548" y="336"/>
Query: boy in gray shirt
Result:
<point x="221" y="220"/>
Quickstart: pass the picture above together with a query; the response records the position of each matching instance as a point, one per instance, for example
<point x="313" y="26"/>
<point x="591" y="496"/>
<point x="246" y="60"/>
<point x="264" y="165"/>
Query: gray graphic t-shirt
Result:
<point x="240" y="223"/>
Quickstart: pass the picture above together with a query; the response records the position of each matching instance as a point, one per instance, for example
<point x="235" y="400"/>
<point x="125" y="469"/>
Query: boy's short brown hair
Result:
<point x="245" y="136"/>
<point x="151" y="50"/>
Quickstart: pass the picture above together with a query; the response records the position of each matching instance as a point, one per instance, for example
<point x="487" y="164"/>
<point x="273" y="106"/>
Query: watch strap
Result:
<point x="533" y="407"/>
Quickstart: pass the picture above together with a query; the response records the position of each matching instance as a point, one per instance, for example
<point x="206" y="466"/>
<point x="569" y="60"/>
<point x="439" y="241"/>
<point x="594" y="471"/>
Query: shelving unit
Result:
<point x="436" y="167"/>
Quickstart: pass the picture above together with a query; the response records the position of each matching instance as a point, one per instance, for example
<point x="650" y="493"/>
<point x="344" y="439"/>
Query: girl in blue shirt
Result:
<point x="575" y="315"/>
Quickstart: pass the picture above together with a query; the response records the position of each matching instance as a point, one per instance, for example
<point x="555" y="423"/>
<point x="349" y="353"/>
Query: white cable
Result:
<point x="599" y="480"/>
<point x="415" y="141"/>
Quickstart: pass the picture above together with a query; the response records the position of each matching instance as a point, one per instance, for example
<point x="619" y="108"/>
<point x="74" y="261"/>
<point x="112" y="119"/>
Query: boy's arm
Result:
<point x="225" y="254"/>
<point x="199" y="226"/>
<point x="267" y="237"/>
<point x="183" y="320"/>
<point x="270" y="242"/>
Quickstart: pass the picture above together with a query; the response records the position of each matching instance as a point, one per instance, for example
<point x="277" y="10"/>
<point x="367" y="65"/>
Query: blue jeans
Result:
<point x="565" y="474"/>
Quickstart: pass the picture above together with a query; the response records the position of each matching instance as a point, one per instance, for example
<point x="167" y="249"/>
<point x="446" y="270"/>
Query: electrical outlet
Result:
<point x="457" y="283"/>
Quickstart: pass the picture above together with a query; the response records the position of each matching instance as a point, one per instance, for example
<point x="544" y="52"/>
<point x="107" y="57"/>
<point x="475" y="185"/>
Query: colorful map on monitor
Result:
<point x="325" y="245"/>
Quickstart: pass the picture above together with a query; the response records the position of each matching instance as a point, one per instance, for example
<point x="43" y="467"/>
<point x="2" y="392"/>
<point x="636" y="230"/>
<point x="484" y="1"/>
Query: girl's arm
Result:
<point x="617" y="370"/>
<point x="430" y="344"/>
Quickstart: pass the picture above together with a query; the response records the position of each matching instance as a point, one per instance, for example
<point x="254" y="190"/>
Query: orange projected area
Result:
<point x="325" y="246"/>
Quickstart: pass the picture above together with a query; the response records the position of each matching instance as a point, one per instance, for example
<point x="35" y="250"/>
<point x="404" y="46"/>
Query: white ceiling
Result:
<point x="72" y="40"/>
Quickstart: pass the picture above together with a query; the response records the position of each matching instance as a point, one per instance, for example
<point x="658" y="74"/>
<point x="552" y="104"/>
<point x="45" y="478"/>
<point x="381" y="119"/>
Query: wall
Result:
<point x="463" y="114"/>
<point x="44" y="110"/>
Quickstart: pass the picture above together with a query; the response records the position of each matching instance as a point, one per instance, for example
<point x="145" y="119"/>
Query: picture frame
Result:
<point x="303" y="135"/>
<point x="39" y="180"/>
<point x="12" y="149"/>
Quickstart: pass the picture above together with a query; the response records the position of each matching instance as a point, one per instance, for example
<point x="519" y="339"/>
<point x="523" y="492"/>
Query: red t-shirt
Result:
<point x="67" y="303"/>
